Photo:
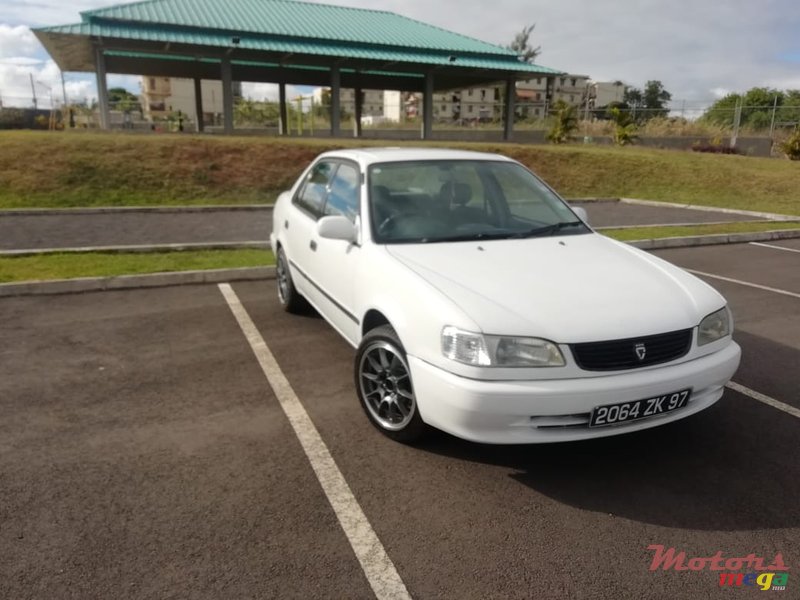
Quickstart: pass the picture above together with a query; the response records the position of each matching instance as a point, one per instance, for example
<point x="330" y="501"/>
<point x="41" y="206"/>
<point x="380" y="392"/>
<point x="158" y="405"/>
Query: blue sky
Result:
<point x="699" y="49"/>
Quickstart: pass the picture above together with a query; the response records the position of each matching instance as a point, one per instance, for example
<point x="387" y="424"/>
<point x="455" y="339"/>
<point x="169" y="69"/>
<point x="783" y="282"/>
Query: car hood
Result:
<point x="568" y="289"/>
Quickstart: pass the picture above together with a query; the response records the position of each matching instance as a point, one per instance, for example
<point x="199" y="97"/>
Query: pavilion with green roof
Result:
<point x="283" y="42"/>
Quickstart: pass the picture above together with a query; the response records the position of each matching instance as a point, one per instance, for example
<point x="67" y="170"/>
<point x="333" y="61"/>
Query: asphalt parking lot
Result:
<point x="143" y="454"/>
<point x="125" y="228"/>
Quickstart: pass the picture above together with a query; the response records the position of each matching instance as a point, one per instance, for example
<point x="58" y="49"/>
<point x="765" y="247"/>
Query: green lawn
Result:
<point x="646" y="233"/>
<point x="97" y="264"/>
<point x="64" y="169"/>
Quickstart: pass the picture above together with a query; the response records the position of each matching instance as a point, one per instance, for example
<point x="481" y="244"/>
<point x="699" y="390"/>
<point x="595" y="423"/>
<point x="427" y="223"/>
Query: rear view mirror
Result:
<point x="336" y="227"/>
<point x="581" y="212"/>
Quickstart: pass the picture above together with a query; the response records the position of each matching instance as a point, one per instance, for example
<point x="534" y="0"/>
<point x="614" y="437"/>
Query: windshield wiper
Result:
<point x="470" y="237"/>
<point x="547" y="229"/>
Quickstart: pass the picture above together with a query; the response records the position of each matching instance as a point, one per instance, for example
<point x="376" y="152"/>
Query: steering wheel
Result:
<point x="389" y="221"/>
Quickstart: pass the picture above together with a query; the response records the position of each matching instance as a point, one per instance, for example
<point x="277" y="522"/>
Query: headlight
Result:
<point x="715" y="326"/>
<point x="499" y="351"/>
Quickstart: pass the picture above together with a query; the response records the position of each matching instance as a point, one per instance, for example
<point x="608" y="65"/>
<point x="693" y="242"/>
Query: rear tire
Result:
<point x="384" y="387"/>
<point x="289" y="297"/>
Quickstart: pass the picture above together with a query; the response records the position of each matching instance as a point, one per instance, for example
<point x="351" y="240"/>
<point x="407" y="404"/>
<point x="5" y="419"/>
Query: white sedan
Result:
<point x="483" y="305"/>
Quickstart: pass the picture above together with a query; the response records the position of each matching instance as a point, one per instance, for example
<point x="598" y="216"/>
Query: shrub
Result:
<point x="566" y="123"/>
<point x="791" y="146"/>
<point x="715" y="146"/>
<point x="624" y="127"/>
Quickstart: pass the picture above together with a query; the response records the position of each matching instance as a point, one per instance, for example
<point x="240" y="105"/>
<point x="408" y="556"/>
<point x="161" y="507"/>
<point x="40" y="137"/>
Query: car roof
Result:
<point x="368" y="156"/>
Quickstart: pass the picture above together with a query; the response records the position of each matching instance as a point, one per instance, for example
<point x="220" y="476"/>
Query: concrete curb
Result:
<point x="125" y="282"/>
<point x="711" y="240"/>
<point x="729" y="211"/>
<point x="258" y="245"/>
<point x="122" y="282"/>
<point x="102" y="210"/>
<point x="693" y="224"/>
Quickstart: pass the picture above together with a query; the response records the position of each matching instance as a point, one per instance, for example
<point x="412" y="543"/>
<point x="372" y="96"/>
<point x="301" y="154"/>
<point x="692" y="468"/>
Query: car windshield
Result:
<point x="458" y="200"/>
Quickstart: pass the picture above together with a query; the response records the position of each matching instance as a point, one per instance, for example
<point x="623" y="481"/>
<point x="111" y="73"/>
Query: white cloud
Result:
<point x="17" y="41"/>
<point x="267" y="91"/>
<point x="720" y="92"/>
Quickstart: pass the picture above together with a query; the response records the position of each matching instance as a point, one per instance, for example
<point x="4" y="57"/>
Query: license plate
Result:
<point x="613" y="414"/>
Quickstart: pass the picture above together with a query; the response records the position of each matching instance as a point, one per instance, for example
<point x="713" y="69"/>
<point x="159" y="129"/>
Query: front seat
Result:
<point x="456" y="196"/>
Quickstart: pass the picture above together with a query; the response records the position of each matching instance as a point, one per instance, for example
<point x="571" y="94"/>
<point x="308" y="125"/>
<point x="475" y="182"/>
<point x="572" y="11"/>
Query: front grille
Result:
<point x="616" y="355"/>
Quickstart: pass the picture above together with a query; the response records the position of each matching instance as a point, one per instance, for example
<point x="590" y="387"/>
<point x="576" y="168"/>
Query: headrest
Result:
<point x="456" y="193"/>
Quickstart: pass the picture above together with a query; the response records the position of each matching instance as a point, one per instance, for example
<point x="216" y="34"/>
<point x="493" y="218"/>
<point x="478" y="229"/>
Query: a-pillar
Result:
<point x="427" y="108"/>
<point x="511" y="94"/>
<point x="227" y="95"/>
<point x="198" y="105"/>
<point x="102" y="88"/>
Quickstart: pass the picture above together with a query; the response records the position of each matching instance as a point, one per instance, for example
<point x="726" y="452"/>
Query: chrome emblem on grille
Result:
<point x="640" y="351"/>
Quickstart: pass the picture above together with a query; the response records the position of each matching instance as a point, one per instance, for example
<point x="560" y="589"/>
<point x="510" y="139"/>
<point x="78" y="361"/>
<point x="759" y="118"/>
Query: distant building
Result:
<point x="603" y="93"/>
<point x="163" y="96"/>
<point x="536" y="96"/>
<point x="372" y="101"/>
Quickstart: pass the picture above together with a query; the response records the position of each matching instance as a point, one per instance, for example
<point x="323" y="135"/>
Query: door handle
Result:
<point x="313" y="245"/>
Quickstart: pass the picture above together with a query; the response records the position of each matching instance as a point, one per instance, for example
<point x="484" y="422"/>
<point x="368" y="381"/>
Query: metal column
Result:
<point x="511" y="93"/>
<point x="102" y="88"/>
<point x="427" y="108"/>
<point x="335" y="101"/>
<point x="284" y="115"/>
<point x="198" y="104"/>
<point x="227" y="95"/>
<point x="357" y="115"/>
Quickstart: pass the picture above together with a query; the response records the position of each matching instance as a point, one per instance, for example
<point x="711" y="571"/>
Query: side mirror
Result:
<point x="336" y="227"/>
<point x="581" y="212"/>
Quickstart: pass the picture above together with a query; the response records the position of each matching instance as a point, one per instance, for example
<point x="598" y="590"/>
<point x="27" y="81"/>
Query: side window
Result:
<point x="311" y="196"/>
<point x="343" y="197"/>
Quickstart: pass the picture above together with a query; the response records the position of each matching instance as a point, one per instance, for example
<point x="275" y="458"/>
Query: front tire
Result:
<point x="289" y="297"/>
<point x="384" y="387"/>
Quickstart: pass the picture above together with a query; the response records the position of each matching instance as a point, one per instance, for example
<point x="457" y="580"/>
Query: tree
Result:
<point x="522" y="46"/>
<point x="652" y="102"/>
<point x="656" y="99"/>
<point x="757" y="107"/>
<point x="565" y="124"/>
<point x="122" y="100"/>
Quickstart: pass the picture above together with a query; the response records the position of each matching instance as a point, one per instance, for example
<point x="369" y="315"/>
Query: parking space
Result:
<point x="619" y="214"/>
<point x="143" y="453"/>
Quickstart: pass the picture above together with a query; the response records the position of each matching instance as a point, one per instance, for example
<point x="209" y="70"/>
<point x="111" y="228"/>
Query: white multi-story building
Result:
<point x="372" y="102"/>
<point x="163" y="96"/>
<point x="535" y="96"/>
<point x="603" y="93"/>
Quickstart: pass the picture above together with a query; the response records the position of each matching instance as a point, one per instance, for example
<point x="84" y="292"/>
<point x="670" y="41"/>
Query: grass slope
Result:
<point x="41" y="169"/>
<point x="96" y="264"/>
<point x="646" y="233"/>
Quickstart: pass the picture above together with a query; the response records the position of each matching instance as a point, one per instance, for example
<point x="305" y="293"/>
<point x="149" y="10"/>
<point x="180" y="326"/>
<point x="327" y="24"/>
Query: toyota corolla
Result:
<point x="482" y="304"/>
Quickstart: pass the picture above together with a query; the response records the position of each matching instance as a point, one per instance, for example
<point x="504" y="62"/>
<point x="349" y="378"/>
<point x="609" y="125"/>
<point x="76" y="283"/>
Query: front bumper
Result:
<point x="523" y="412"/>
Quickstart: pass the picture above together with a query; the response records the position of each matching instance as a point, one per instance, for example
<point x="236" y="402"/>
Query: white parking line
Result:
<point x="774" y="247"/>
<point x="736" y="387"/>
<point x="747" y="283"/>
<point x="378" y="567"/>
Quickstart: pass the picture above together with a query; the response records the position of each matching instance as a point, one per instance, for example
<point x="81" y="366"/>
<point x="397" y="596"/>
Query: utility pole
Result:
<point x="737" y="119"/>
<point x="774" y="110"/>
<point x="64" y="89"/>
<point x="33" y="89"/>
